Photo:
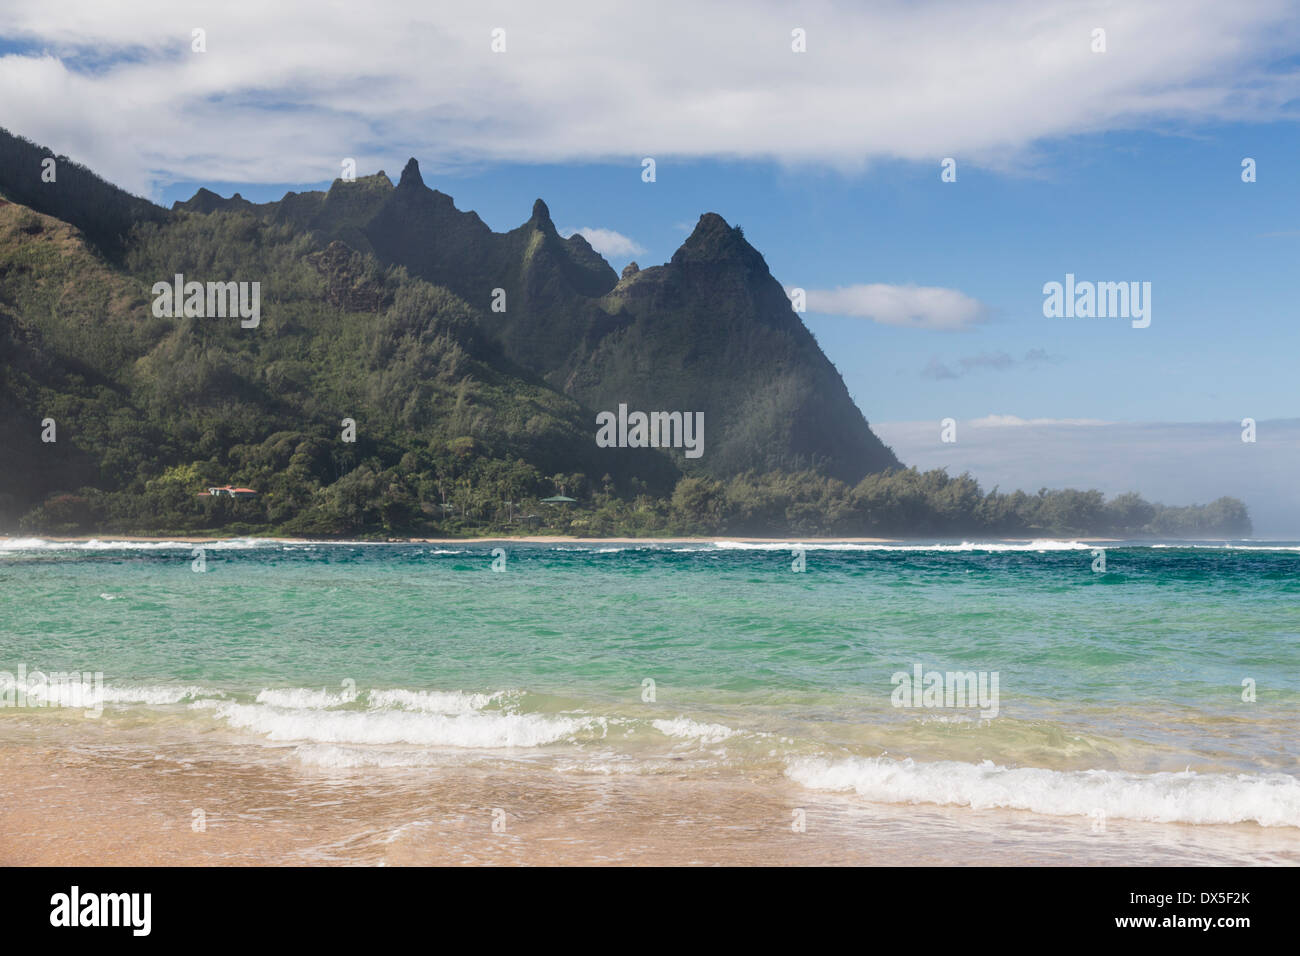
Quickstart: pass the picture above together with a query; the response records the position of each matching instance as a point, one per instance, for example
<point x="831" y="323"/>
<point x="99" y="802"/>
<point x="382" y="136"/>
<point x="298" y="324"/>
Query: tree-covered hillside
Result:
<point x="148" y="411"/>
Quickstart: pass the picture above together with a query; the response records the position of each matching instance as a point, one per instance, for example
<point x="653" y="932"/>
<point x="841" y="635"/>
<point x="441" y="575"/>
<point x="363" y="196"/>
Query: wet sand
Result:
<point x="91" y="799"/>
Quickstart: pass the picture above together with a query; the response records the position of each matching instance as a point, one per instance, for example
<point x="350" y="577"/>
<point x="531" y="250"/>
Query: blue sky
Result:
<point x="1122" y="165"/>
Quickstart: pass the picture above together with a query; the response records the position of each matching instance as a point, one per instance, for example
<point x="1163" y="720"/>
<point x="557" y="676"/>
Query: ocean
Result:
<point x="675" y="702"/>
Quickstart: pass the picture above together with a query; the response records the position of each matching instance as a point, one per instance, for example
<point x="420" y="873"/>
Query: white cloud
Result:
<point x="285" y="91"/>
<point x="920" y="307"/>
<point x="610" y="244"/>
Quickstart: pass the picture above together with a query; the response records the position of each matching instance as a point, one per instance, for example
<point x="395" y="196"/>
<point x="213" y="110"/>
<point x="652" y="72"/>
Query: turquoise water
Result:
<point x="1121" y="689"/>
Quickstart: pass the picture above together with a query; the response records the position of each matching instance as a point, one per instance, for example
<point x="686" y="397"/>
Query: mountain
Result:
<point x="376" y="307"/>
<point x="713" y="329"/>
<point x="710" y="331"/>
<point x="145" y="410"/>
<point x="363" y="379"/>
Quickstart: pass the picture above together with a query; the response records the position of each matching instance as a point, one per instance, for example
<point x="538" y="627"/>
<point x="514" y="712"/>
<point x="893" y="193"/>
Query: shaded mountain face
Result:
<point x="713" y="329"/>
<point x="55" y="185"/>
<point x="710" y="331"/>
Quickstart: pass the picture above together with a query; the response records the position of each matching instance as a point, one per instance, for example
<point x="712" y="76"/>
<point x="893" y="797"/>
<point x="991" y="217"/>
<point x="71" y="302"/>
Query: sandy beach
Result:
<point x="178" y="803"/>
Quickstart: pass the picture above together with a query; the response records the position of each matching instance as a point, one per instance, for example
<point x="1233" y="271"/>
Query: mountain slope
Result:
<point x="150" y="410"/>
<point x="713" y="329"/>
<point x="103" y="213"/>
<point x="709" y="331"/>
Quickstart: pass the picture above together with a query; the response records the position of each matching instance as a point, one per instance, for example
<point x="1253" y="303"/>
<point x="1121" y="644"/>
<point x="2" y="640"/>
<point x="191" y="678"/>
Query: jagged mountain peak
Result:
<point x="541" y="218"/>
<point x="411" y="175"/>
<point x="206" y="201"/>
<point x="714" y="239"/>
<point x="379" y="182"/>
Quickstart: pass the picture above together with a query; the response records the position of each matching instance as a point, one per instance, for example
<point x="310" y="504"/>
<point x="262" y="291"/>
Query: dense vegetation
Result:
<point x="460" y="428"/>
<point x="150" y="411"/>
<point x="409" y="500"/>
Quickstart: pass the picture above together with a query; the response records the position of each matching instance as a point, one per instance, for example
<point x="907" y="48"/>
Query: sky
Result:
<point x="1122" y="164"/>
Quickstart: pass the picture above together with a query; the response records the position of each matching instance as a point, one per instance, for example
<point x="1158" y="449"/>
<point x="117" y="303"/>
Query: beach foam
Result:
<point x="1037" y="545"/>
<point x="1271" y="800"/>
<point x="80" y="693"/>
<point x="40" y="544"/>
<point x="302" y="698"/>
<point x="685" y="727"/>
<point x="431" y="701"/>
<point x="155" y="694"/>
<point x="473" y="729"/>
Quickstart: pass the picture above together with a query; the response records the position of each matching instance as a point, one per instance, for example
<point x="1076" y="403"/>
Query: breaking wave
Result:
<point x="1271" y="800"/>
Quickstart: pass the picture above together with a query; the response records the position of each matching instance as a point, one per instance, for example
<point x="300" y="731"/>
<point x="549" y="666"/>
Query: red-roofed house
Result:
<point x="228" y="491"/>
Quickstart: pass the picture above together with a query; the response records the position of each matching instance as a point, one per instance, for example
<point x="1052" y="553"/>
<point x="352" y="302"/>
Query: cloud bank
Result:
<point x="285" y="91"/>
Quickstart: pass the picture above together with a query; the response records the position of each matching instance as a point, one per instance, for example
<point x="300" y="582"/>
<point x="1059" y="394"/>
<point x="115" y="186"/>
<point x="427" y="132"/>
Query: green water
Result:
<point x="720" y="656"/>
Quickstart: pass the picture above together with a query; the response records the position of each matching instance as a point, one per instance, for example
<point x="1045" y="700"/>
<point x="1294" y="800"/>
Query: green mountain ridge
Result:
<point x="709" y="331"/>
